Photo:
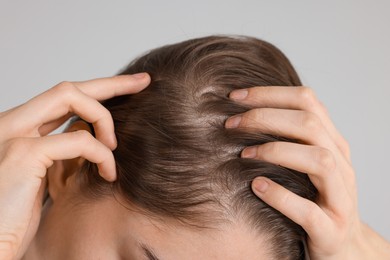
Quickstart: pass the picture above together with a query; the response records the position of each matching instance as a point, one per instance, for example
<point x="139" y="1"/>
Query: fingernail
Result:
<point x="260" y="185"/>
<point x="239" y="94"/>
<point x="249" y="152"/>
<point x="233" y="122"/>
<point x="139" y="75"/>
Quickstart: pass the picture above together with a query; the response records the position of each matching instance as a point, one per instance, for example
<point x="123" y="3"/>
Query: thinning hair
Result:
<point x="175" y="158"/>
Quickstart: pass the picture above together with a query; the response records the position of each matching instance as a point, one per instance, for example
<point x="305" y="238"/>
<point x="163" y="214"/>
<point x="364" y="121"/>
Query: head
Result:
<point x="182" y="191"/>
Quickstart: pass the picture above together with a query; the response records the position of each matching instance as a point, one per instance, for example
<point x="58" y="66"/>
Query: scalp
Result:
<point x="176" y="159"/>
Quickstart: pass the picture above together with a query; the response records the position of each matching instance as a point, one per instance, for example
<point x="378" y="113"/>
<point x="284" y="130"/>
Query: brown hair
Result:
<point x="175" y="158"/>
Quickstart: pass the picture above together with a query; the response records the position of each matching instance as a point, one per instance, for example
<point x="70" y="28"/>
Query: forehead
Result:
<point x="169" y="239"/>
<point x="106" y="229"/>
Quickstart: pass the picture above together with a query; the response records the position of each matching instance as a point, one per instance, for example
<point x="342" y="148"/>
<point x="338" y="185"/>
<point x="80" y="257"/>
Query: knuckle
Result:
<point x="257" y="115"/>
<point x="285" y="198"/>
<point x="310" y="101"/>
<point x="259" y="93"/>
<point x="105" y="114"/>
<point x="245" y="119"/>
<point x="310" y="122"/>
<point x="307" y="95"/>
<point x="325" y="160"/>
<point x="64" y="85"/>
<point x="65" y="89"/>
<point x="82" y="136"/>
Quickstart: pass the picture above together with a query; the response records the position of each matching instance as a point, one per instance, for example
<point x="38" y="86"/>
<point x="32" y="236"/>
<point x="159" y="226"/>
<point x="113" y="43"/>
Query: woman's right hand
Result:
<point x="332" y="222"/>
<point x="27" y="151"/>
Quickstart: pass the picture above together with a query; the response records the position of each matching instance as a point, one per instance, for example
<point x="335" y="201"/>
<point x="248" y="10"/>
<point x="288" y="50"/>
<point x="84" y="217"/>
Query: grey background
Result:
<point x="340" y="48"/>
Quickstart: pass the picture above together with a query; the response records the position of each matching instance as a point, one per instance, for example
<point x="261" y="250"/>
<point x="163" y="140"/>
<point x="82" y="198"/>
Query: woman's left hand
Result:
<point x="332" y="222"/>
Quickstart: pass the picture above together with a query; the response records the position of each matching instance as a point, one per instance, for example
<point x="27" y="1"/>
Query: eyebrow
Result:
<point x="149" y="253"/>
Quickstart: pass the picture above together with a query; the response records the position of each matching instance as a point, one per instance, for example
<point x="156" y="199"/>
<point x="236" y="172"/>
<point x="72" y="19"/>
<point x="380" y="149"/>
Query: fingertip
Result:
<point x="143" y="77"/>
<point x="107" y="168"/>
<point x="249" y="152"/>
<point x="238" y="94"/>
<point x="108" y="175"/>
<point x="139" y="75"/>
<point x="260" y="185"/>
<point x="233" y="122"/>
<point x="114" y="142"/>
<point x="111" y="178"/>
<point x="108" y="140"/>
<point x="139" y="82"/>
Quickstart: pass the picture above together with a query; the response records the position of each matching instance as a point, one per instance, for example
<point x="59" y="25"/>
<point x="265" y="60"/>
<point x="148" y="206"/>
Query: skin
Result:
<point x="107" y="230"/>
<point x="332" y="223"/>
<point x="74" y="228"/>
<point x="27" y="152"/>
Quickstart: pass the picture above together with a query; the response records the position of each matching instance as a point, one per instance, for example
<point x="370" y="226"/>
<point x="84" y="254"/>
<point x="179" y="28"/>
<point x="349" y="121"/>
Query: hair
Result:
<point x="175" y="159"/>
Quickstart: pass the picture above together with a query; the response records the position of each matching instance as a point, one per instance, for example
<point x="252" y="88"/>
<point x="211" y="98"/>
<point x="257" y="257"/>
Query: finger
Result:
<point x="88" y="109"/>
<point x="77" y="144"/>
<point x="70" y="99"/>
<point x="317" y="162"/>
<point x="302" y="211"/>
<point x="288" y="97"/>
<point x="295" y="124"/>
<point x="105" y="88"/>
<point x="3" y="113"/>
<point x="39" y="110"/>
